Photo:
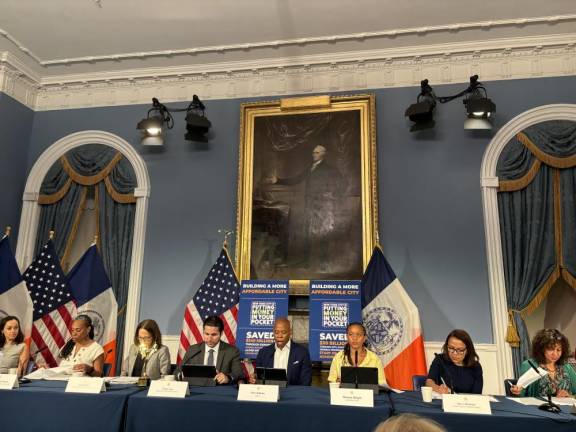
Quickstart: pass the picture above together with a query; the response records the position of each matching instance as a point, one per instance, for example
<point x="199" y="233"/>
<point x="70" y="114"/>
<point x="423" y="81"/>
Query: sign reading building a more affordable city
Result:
<point x="333" y="305"/>
<point x="261" y="302"/>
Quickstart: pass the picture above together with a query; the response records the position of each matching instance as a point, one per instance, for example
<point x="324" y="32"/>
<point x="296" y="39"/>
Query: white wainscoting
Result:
<point x="493" y="383"/>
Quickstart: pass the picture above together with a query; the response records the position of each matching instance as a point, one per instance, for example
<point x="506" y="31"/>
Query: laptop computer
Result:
<point x="199" y="375"/>
<point x="271" y="376"/>
<point x="359" y="377"/>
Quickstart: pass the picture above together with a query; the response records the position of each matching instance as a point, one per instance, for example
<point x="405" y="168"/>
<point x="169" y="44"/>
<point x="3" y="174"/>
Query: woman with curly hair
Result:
<point x="550" y="351"/>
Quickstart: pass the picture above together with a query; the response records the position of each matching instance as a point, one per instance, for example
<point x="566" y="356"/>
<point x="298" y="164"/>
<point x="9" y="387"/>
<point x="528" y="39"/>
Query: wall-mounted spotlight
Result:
<point x="479" y="109"/>
<point x="422" y="112"/>
<point x="159" y="118"/>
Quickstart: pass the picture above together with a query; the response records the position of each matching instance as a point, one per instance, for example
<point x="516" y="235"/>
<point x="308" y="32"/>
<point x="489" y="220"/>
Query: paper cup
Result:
<point x="168" y="378"/>
<point x="426" y="393"/>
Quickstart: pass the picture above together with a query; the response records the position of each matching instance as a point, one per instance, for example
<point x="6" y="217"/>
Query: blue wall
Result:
<point x="431" y="221"/>
<point x="15" y="127"/>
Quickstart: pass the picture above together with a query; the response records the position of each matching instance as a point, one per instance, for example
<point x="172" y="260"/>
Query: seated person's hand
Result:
<point x="515" y="390"/>
<point x="272" y="179"/>
<point x="221" y="378"/>
<point x="252" y="379"/>
<point x="442" y="389"/>
<point x="84" y="368"/>
<point x="562" y="393"/>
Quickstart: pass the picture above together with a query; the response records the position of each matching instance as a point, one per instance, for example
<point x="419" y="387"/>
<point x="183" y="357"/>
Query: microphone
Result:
<point x="535" y="368"/>
<point x="356" y="366"/>
<point x="547" y="406"/>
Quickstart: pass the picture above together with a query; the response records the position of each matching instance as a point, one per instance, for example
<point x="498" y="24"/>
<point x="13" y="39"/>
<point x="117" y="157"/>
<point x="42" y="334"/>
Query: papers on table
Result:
<point x="438" y="396"/>
<point x="530" y="376"/>
<point x="58" y="373"/>
<point x="527" y="400"/>
<point x="564" y="401"/>
<point x="121" y="380"/>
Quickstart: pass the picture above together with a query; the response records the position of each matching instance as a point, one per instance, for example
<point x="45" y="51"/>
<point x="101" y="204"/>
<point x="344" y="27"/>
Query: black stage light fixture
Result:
<point x="160" y="118"/>
<point x="479" y="108"/>
<point x="422" y="112"/>
<point x="197" y="125"/>
<point x="153" y="125"/>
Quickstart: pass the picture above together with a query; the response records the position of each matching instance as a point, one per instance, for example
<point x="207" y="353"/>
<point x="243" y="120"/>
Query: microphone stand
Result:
<point x="546" y="406"/>
<point x="356" y="371"/>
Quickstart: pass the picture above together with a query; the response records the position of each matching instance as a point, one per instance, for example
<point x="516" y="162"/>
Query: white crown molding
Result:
<point x="489" y="183"/>
<point x="17" y="80"/>
<point x="332" y="39"/>
<point x="515" y="58"/>
<point x="31" y="210"/>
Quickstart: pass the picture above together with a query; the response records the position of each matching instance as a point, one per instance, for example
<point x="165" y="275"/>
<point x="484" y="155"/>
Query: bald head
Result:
<point x="282" y="332"/>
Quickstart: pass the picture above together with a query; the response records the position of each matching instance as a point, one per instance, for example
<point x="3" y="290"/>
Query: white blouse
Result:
<point x="83" y="355"/>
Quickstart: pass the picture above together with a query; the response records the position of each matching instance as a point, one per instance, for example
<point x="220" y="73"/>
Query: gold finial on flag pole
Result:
<point x="226" y="234"/>
<point x="51" y="235"/>
<point x="7" y="231"/>
<point x="95" y="239"/>
<point x="377" y="238"/>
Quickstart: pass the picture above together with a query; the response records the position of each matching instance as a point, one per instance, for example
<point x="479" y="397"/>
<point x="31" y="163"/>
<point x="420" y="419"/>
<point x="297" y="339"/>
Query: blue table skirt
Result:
<point x="44" y="406"/>
<point x="308" y="408"/>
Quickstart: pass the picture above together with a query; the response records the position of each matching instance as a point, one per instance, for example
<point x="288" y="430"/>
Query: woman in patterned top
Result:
<point x="550" y="350"/>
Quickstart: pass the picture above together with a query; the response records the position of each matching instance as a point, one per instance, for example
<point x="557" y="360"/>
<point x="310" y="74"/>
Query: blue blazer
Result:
<point x="299" y="367"/>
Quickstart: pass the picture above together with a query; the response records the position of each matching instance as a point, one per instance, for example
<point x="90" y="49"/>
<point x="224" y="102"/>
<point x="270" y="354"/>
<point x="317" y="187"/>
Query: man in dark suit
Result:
<point x="323" y="186"/>
<point x="285" y="354"/>
<point x="215" y="352"/>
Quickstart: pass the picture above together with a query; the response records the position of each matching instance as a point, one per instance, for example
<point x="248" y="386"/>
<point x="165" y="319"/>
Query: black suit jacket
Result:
<point x="299" y="366"/>
<point x="227" y="362"/>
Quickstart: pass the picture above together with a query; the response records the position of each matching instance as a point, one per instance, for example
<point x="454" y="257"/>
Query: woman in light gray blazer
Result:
<point x="147" y="354"/>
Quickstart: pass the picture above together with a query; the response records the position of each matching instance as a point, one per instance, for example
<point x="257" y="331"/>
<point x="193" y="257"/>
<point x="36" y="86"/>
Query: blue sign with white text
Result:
<point x="261" y="302"/>
<point x="333" y="305"/>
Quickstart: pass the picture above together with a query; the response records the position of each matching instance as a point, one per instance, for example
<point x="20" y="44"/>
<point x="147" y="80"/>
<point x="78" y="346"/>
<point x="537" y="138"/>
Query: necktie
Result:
<point x="210" y="358"/>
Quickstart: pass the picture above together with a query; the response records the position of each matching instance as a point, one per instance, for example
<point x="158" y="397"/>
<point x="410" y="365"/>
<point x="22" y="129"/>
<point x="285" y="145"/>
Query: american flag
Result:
<point x="53" y="304"/>
<point x="218" y="295"/>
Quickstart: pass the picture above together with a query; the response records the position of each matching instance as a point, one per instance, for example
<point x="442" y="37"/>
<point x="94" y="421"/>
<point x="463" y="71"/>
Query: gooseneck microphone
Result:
<point x="547" y="406"/>
<point x="356" y="366"/>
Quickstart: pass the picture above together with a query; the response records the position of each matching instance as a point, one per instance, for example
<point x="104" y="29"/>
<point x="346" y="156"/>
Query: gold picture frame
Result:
<point x="307" y="190"/>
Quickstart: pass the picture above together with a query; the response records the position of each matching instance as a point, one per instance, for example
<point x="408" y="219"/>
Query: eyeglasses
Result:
<point x="456" y="350"/>
<point x="144" y="337"/>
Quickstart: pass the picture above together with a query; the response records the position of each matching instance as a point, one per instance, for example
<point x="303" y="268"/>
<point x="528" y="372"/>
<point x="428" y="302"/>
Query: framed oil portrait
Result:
<point x="307" y="198"/>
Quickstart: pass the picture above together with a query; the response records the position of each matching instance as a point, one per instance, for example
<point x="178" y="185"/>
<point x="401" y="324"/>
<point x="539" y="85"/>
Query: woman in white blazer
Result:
<point x="147" y="354"/>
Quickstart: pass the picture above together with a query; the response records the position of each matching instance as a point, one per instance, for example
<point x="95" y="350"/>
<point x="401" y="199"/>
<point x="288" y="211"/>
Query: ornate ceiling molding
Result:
<point x="333" y="39"/>
<point x="527" y="57"/>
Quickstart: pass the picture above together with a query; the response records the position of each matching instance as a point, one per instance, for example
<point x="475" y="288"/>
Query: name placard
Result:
<point x="258" y="393"/>
<point x="352" y="397"/>
<point x="8" y="381"/>
<point x="466" y="404"/>
<point x="169" y="389"/>
<point x="88" y="385"/>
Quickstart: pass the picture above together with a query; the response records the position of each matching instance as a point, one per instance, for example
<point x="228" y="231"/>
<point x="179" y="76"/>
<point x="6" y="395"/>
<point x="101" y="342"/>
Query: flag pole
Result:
<point x="226" y="234"/>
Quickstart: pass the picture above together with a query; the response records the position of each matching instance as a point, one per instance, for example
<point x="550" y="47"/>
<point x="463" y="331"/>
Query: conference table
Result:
<point x="45" y="406"/>
<point x="309" y="409"/>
